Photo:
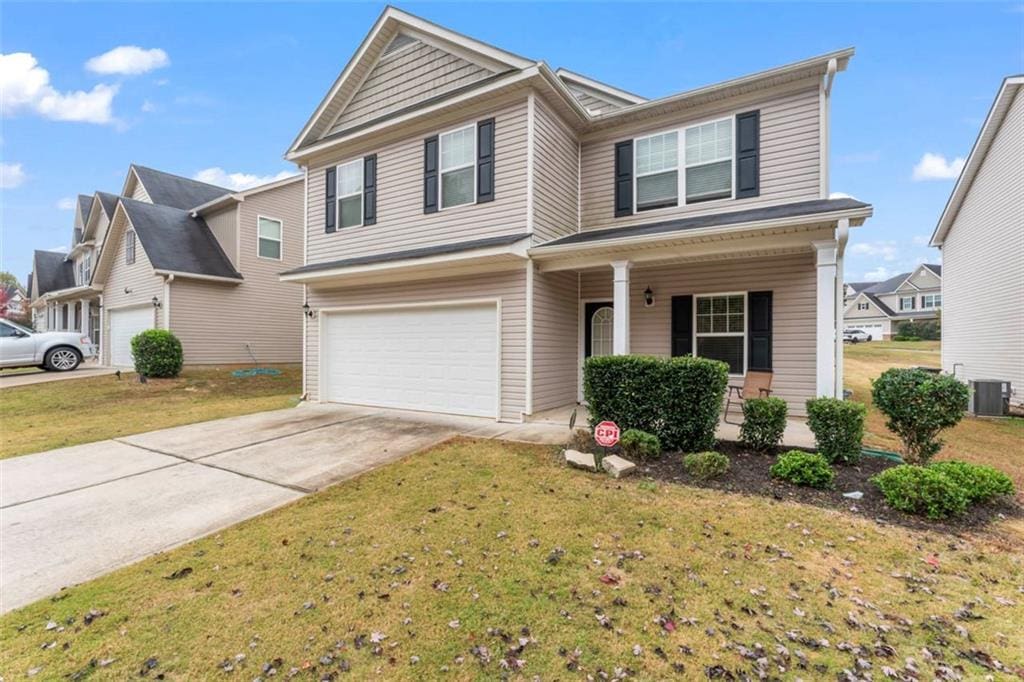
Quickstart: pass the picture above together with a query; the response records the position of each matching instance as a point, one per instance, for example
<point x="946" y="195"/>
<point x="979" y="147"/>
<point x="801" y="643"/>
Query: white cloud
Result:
<point x="218" y="176"/>
<point x="148" y="106"/>
<point x="66" y="204"/>
<point x="11" y="175"/>
<point x="921" y="239"/>
<point x="840" y="195"/>
<point x="879" y="273"/>
<point x="128" y="60"/>
<point x="936" y="167"/>
<point x="887" y="251"/>
<point x="24" y="85"/>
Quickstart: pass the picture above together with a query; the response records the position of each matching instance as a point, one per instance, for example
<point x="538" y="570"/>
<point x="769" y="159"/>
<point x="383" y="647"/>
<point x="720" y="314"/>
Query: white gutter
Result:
<point x="167" y="301"/>
<point x="824" y="103"/>
<point x="192" y="275"/>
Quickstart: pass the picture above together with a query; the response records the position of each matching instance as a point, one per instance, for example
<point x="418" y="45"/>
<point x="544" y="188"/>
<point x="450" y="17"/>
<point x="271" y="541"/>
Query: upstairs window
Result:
<point x="657" y="171"/>
<point x="863" y="306"/>
<point x="458" y="167"/>
<point x="906" y="303"/>
<point x="350" y="194"/>
<point x="86" y="267"/>
<point x="129" y="247"/>
<point x="721" y="326"/>
<point x="931" y="301"/>
<point x="709" y="161"/>
<point x="269" y="236"/>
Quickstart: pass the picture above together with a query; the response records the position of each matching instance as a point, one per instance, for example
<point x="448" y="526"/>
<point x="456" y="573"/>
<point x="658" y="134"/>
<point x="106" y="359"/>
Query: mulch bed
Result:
<point x="749" y="475"/>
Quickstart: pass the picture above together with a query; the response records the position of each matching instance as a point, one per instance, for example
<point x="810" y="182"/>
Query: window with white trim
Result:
<point x="709" y="161"/>
<point x="863" y="306"/>
<point x="269" y="237"/>
<point x="906" y="302"/>
<point x="602" y="331"/>
<point x="129" y="247"/>
<point x="657" y="171"/>
<point x="458" y="166"/>
<point x="721" y="329"/>
<point x="931" y="301"/>
<point x="350" y="194"/>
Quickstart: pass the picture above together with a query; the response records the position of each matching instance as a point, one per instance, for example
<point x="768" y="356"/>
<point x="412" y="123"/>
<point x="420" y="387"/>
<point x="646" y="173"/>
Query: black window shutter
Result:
<point x="623" y="178"/>
<point x="485" y="161"/>
<point x="682" y="325"/>
<point x="331" y="200"/>
<point x="370" y="189"/>
<point x="748" y="153"/>
<point x="759" y="331"/>
<point x="430" y="175"/>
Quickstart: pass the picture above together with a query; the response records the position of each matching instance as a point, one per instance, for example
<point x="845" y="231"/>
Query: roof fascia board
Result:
<point x="1007" y="91"/>
<point x="196" y="275"/>
<point x="566" y="74"/>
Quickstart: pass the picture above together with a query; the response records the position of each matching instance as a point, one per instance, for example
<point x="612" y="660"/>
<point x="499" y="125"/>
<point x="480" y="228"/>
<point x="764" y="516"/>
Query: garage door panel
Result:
<point x="124" y="325"/>
<point x="440" y="358"/>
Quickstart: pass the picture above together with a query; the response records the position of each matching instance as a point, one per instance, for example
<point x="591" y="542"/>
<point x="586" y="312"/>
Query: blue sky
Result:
<point x="222" y="89"/>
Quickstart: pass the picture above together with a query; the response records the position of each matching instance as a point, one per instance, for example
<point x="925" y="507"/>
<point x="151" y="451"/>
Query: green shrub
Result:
<point x="157" y="353"/>
<point x="978" y="482"/>
<point x="919" y="405"/>
<point x="676" y="399"/>
<point x="838" y="427"/>
<point x="638" y="445"/>
<point x="706" y="465"/>
<point x="921" y="490"/>
<point x="764" y="420"/>
<point x="928" y="330"/>
<point x="901" y="337"/>
<point x="804" y="468"/>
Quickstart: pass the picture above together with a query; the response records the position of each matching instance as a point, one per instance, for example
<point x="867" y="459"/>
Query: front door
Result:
<point x="599" y="321"/>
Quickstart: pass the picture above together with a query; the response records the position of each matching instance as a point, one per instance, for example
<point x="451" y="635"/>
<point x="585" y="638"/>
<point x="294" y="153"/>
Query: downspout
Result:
<point x="167" y="301"/>
<point x="842" y="236"/>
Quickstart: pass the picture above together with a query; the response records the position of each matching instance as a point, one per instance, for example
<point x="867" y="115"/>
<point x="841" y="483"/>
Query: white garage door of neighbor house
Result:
<point x="124" y="324"/>
<point x="875" y="330"/>
<point x="437" y="359"/>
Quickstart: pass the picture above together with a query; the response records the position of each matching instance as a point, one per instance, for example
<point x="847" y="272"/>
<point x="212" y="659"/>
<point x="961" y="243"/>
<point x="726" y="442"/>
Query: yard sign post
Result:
<point x="606" y="434"/>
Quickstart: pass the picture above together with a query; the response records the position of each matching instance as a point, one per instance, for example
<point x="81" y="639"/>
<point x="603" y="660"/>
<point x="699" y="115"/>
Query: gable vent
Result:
<point x="400" y="41"/>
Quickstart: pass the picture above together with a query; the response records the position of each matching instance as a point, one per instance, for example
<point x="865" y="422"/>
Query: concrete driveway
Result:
<point x="76" y="513"/>
<point x="11" y="378"/>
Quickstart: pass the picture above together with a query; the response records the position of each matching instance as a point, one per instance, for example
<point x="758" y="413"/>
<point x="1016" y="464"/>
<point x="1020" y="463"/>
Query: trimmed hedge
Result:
<point x="919" y="405"/>
<point x="928" y="330"/>
<point x="808" y="469"/>
<point x="639" y="445"/>
<point x="704" y="466"/>
<point x="979" y="483"/>
<point x="157" y="353"/>
<point x="764" y="421"/>
<point x="838" y="427"/>
<point x="921" y="490"/>
<point x="676" y="399"/>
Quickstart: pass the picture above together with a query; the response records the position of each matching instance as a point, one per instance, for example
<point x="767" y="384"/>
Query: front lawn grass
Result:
<point x="482" y="558"/>
<point x="61" y="413"/>
<point x="996" y="442"/>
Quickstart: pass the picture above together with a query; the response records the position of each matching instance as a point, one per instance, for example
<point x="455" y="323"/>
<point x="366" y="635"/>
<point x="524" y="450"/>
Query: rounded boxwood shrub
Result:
<point x="921" y="490"/>
<point x="638" y="445"/>
<point x="676" y="399"/>
<point x="808" y="469"/>
<point x="764" y="421"/>
<point x="918" y="406"/>
<point x="838" y="427"/>
<point x="979" y="483"/>
<point x="157" y="353"/>
<point x="705" y="465"/>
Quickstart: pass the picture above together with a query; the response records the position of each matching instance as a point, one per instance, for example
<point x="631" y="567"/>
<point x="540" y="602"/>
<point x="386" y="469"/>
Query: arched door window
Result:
<point x="602" y="331"/>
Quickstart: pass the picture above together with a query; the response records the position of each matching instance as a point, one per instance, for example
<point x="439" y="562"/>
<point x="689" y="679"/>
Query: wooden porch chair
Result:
<point x="755" y="385"/>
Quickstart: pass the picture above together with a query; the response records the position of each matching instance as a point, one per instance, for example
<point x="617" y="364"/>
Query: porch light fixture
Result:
<point x="648" y="297"/>
<point x="155" y="302"/>
<point x="309" y="312"/>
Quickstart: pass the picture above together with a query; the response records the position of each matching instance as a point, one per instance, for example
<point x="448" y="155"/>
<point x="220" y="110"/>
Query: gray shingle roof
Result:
<point x="108" y="202"/>
<point x="52" y="271"/>
<point x="878" y="302"/>
<point x="173" y="190"/>
<point x="792" y="210"/>
<point x="890" y="285"/>
<point x="84" y="204"/>
<point x="175" y="241"/>
<point x="860" y="286"/>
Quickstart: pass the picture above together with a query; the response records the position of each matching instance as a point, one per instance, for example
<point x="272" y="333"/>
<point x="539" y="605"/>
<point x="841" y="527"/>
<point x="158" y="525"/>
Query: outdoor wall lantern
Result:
<point x="648" y="297"/>
<point x="309" y="312"/>
<point x="156" y="302"/>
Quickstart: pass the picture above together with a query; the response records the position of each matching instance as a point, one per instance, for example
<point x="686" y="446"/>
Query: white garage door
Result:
<point x="875" y="330"/>
<point x="438" y="359"/>
<point x="124" y="324"/>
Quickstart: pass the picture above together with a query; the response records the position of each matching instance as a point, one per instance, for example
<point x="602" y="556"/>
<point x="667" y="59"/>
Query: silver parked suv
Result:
<point x="54" y="351"/>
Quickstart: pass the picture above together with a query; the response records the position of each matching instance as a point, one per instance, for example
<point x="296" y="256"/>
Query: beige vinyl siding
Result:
<point x="138" y="279"/>
<point x="409" y="76"/>
<point x="983" y="266"/>
<point x="555" y="339"/>
<point x="139" y="192"/>
<point x="224" y="225"/>
<point x="215" y="321"/>
<point x="789" y="160"/>
<point x="556" y="176"/>
<point x="401" y="223"/>
<point x="924" y="279"/>
<point x="509" y="286"/>
<point x="791" y="279"/>
<point x="854" y="314"/>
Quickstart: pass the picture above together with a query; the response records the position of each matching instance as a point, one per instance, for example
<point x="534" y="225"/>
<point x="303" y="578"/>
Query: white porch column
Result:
<point x="620" y="298"/>
<point x="85" y="317"/>
<point x="825" y="353"/>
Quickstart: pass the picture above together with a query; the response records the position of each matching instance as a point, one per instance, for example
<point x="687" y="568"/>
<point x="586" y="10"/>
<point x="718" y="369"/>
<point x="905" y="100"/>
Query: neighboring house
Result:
<point x="14" y="301"/>
<point x="478" y="224"/>
<point x="981" y="235"/>
<point x="879" y="307"/>
<point x="178" y="254"/>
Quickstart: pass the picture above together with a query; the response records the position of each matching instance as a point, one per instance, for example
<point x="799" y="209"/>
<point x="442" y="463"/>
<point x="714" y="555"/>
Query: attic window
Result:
<point x="129" y="247"/>
<point x="400" y="41"/>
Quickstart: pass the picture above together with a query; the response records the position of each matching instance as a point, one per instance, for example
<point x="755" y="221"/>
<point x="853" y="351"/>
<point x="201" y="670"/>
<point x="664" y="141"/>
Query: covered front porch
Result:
<point x="72" y="310"/>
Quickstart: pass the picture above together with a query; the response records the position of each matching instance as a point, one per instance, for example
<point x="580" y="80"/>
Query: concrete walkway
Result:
<point x="73" y="514"/>
<point x="10" y="379"/>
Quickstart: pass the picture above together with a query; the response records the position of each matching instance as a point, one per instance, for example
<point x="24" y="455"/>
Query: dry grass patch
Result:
<point x="61" y="413"/>
<point x="481" y="558"/>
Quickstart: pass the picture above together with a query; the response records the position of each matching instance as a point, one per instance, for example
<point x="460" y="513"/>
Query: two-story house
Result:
<point x="174" y="253"/>
<point x="879" y="307"/>
<point x="478" y="224"/>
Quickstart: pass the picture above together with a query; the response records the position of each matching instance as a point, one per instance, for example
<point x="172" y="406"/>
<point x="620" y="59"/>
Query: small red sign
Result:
<point x="606" y="434"/>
